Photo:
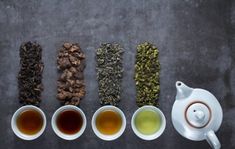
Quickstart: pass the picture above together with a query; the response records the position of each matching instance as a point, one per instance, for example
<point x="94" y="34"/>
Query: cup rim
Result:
<point x="22" y="135"/>
<point x="64" y="135"/>
<point x="156" y="134"/>
<point x="103" y="136"/>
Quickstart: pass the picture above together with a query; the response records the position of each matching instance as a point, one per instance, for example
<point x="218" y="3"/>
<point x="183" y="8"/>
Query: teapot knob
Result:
<point x="200" y="115"/>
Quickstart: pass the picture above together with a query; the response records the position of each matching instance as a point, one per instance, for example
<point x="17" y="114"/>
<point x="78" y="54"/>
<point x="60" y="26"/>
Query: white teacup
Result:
<point x="16" y="129"/>
<point x="157" y="133"/>
<point x="104" y="136"/>
<point x="64" y="135"/>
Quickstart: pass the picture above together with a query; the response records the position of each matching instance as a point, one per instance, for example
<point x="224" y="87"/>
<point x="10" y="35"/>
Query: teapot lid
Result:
<point x="198" y="115"/>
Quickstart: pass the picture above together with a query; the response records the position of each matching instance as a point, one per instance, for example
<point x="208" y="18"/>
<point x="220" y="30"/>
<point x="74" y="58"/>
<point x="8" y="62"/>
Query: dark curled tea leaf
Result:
<point x="147" y="74"/>
<point x="71" y="64"/>
<point x="109" y="73"/>
<point x="30" y="74"/>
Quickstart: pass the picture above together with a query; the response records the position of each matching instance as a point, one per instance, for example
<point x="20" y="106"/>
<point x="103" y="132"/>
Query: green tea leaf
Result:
<point x="147" y="78"/>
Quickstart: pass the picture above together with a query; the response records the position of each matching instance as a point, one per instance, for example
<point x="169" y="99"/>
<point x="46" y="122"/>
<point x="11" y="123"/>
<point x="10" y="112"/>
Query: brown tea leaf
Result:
<point x="71" y="63"/>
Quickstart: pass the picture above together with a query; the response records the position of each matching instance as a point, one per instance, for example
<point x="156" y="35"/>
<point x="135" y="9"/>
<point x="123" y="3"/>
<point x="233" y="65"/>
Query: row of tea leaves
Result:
<point x="71" y="65"/>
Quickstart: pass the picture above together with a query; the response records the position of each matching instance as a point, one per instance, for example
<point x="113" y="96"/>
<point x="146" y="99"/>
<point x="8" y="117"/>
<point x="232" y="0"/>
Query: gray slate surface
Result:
<point x="196" y="39"/>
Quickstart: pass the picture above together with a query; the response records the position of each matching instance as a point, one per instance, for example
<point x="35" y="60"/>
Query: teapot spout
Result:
<point x="183" y="91"/>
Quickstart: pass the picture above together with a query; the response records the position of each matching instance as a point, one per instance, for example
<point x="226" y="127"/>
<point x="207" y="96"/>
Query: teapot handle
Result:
<point x="213" y="140"/>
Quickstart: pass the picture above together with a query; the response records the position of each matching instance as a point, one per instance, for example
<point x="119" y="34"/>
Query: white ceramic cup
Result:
<point x="156" y="134"/>
<point x="20" y="134"/>
<point x="64" y="135"/>
<point x="104" y="136"/>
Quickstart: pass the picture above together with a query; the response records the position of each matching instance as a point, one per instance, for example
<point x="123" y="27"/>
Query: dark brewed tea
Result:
<point x="29" y="122"/>
<point x="69" y="121"/>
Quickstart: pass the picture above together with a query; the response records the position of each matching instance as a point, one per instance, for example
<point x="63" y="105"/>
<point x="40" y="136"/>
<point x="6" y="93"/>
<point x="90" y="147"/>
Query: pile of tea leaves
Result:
<point x="109" y="73"/>
<point x="71" y="83"/>
<point x="147" y="75"/>
<point x="30" y="74"/>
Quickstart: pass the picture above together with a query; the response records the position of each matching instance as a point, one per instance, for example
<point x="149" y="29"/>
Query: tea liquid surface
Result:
<point x="69" y="121"/>
<point x="29" y="122"/>
<point x="147" y="122"/>
<point x="108" y="122"/>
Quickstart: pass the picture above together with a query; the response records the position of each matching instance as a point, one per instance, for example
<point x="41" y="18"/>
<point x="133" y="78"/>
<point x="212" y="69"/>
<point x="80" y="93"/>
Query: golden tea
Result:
<point x="108" y="122"/>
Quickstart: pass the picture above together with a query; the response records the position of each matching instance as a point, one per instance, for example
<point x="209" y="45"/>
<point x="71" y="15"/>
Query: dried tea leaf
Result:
<point x="147" y="74"/>
<point x="71" y="64"/>
<point x="109" y="73"/>
<point x="30" y="74"/>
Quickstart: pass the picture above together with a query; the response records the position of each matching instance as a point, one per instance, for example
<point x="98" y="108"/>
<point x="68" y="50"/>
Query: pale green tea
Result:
<point x="147" y="122"/>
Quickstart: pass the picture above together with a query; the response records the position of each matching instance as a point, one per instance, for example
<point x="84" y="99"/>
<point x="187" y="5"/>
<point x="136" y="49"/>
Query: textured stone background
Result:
<point x="196" y="39"/>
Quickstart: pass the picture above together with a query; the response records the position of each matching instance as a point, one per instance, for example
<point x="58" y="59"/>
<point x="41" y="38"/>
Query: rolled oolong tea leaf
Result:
<point x="147" y="74"/>
<point x="30" y="74"/>
<point x="109" y="73"/>
<point x="71" y="64"/>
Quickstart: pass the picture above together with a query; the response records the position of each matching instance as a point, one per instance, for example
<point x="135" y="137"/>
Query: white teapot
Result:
<point x="197" y="114"/>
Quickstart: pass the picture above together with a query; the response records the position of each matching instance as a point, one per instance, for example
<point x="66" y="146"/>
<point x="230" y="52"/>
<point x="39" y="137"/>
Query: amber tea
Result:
<point x="108" y="122"/>
<point x="29" y="122"/>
